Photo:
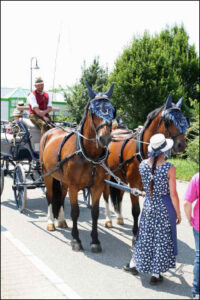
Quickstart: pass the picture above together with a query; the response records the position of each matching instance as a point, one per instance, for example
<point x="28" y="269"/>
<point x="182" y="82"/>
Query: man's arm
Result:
<point x="188" y="211"/>
<point x="42" y="113"/>
<point x="190" y="197"/>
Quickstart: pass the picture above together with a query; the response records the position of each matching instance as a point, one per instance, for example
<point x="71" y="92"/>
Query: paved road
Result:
<point x="36" y="264"/>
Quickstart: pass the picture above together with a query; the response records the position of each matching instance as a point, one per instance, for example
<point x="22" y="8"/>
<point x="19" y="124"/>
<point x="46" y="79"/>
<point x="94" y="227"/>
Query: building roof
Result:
<point x="23" y="93"/>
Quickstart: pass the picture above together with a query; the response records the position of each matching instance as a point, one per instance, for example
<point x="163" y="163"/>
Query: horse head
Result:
<point x="175" y="123"/>
<point x="101" y="113"/>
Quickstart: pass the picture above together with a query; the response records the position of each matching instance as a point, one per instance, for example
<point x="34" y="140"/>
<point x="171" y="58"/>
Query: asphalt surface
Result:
<point x="37" y="264"/>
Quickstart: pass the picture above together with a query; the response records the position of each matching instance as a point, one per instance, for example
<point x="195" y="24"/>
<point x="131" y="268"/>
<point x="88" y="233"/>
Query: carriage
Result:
<point x="20" y="159"/>
<point x="74" y="160"/>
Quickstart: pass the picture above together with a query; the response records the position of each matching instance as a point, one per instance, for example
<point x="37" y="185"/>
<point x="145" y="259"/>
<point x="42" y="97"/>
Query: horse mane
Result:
<point x="84" y="116"/>
<point x="151" y="116"/>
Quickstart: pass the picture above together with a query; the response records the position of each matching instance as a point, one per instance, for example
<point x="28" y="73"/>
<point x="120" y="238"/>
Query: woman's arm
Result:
<point x="173" y="192"/>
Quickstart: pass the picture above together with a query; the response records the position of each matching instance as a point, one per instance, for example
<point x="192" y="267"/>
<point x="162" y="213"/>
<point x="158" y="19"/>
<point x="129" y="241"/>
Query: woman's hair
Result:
<point x="152" y="173"/>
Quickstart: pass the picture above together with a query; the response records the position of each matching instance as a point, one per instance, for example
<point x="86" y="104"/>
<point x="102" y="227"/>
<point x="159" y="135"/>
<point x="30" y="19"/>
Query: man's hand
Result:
<point x="46" y="119"/>
<point x="39" y="112"/>
<point x="178" y="218"/>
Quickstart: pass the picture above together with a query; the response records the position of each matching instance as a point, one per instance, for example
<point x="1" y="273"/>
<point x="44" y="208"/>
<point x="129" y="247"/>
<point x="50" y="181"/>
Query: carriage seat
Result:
<point x="35" y="134"/>
<point x="7" y="137"/>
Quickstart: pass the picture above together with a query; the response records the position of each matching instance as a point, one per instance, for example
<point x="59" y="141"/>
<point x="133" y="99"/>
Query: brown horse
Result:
<point x="71" y="160"/>
<point x="125" y="156"/>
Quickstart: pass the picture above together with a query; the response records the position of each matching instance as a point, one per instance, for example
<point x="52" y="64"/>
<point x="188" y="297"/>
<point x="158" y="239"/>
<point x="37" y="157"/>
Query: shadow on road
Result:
<point x="186" y="254"/>
<point x="169" y="286"/>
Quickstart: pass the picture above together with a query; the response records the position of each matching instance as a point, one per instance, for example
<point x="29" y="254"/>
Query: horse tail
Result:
<point x="115" y="195"/>
<point x="57" y="197"/>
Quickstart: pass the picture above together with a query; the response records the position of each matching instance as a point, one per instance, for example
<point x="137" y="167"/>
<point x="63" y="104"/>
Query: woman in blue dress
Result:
<point x="155" y="248"/>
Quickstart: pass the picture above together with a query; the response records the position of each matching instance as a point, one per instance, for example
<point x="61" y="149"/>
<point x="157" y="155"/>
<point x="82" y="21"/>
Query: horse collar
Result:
<point x="82" y="154"/>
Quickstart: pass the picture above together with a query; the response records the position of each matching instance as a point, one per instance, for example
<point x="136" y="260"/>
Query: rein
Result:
<point x="139" y="141"/>
<point x="80" y="151"/>
<point x="162" y="118"/>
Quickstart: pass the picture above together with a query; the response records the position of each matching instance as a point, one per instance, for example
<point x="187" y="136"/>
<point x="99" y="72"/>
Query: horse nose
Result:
<point x="104" y="140"/>
<point x="179" y="146"/>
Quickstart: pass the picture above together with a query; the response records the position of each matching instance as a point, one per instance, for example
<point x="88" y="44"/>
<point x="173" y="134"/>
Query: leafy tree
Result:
<point x="149" y="69"/>
<point x="192" y="135"/>
<point x="77" y="96"/>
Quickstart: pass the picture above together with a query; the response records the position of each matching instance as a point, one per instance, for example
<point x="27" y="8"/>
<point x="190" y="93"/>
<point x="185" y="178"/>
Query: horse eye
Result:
<point x="104" y="109"/>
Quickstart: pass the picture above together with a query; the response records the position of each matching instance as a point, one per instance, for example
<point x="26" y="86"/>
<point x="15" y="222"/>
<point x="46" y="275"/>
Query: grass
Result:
<point x="185" y="168"/>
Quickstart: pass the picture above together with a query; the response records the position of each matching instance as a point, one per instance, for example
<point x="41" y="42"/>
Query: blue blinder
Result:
<point x="178" y="119"/>
<point x="103" y="109"/>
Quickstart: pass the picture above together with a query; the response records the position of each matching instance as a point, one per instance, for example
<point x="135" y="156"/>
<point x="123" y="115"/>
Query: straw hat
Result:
<point x="159" y="144"/>
<point x="20" y="103"/>
<point x="17" y="113"/>
<point x="38" y="81"/>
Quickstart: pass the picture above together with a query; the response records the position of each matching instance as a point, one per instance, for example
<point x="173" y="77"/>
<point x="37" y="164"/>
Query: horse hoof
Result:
<point x="108" y="224"/>
<point x="51" y="227"/>
<point x="62" y="224"/>
<point x="96" y="248"/>
<point x="76" y="246"/>
<point x="120" y="221"/>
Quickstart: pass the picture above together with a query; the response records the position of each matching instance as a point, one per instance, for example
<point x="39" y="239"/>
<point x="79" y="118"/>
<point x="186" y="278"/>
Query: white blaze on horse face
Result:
<point x="50" y="217"/>
<point x="61" y="215"/>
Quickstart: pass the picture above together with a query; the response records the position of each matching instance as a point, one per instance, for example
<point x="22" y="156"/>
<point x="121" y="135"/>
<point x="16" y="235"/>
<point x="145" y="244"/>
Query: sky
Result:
<point x="87" y="29"/>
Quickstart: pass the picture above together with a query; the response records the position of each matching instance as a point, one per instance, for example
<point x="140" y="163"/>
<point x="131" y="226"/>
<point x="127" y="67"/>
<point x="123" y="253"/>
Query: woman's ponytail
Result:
<point x="152" y="175"/>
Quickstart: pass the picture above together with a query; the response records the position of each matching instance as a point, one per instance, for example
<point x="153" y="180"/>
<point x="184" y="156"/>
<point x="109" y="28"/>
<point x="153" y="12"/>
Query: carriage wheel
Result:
<point x="87" y="196"/>
<point x="20" y="191"/>
<point x="2" y="180"/>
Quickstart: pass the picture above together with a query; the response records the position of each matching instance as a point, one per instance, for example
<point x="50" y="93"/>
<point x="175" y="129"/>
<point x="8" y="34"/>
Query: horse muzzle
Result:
<point x="179" y="146"/>
<point x="104" y="140"/>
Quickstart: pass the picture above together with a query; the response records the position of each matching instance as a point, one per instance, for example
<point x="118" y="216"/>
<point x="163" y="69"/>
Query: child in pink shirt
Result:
<point x="192" y="194"/>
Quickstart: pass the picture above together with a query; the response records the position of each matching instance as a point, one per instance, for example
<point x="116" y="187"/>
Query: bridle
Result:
<point x="162" y="118"/>
<point x="106" y="123"/>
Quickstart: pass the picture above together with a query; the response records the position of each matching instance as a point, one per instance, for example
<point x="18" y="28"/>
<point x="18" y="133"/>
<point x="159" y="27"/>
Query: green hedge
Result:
<point x="185" y="168"/>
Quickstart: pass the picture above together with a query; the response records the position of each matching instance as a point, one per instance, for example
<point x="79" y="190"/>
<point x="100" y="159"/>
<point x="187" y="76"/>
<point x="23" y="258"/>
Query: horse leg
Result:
<point x="76" y="242"/>
<point x="49" y="195"/>
<point x="61" y="216"/>
<point x="116" y="198"/>
<point x="95" y="244"/>
<point x="135" y="213"/>
<point x="106" y="191"/>
<point x="120" y="219"/>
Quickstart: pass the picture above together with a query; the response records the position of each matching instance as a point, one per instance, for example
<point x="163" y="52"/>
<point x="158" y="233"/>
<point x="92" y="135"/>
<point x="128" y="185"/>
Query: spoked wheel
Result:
<point x="20" y="191"/>
<point x="35" y="174"/>
<point x="87" y="196"/>
<point x="2" y="180"/>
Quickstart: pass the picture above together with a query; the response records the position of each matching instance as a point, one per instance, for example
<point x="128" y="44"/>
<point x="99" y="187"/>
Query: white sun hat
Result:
<point x="159" y="144"/>
<point x="39" y="80"/>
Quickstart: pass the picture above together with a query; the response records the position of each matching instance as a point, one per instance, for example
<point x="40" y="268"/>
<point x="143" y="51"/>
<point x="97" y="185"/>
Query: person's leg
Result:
<point x="39" y="122"/>
<point x="195" y="286"/>
<point x="131" y="267"/>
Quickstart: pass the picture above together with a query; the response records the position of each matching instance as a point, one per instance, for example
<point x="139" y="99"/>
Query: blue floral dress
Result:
<point x="156" y="242"/>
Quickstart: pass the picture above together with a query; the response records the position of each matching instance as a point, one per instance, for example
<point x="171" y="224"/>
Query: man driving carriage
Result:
<point x="40" y="106"/>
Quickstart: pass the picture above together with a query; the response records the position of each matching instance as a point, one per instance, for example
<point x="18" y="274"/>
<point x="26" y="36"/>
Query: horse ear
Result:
<point x="180" y="102"/>
<point x="110" y="91"/>
<point x="91" y="93"/>
<point x="168" y="103"/>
